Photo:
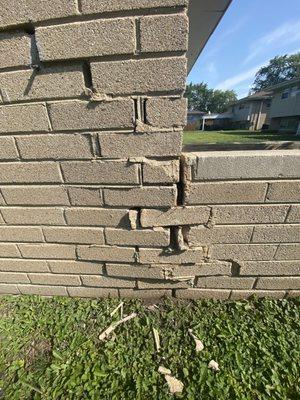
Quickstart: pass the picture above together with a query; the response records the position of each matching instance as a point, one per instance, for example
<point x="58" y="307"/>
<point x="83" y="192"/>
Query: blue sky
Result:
<point x="250" y="33"/>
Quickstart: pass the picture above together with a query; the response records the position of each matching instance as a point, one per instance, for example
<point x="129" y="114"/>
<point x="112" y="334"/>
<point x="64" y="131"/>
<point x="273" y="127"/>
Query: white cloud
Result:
<point x="230" y="83"/>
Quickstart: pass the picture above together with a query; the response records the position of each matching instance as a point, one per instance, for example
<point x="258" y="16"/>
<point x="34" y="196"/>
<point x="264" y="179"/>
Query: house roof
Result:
<point x="262" y="95"/>
<point x="204" y="16"/>
<point x="196" y="112"/>
<point x="284" y="84"/>
<point x="225" y="115"/>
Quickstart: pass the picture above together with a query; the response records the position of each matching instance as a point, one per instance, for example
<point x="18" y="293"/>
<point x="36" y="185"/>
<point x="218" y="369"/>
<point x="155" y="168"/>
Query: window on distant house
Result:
<point x="295" y="91"/>
<point x="268" y="103"/>
<point x="241" y="107"/>
<point x="285" y="94"/>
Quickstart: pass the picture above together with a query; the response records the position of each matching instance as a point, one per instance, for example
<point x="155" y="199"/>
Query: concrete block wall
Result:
<point x="96" y="198"/>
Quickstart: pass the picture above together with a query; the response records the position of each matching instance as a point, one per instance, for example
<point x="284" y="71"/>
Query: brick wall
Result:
<point x="95" y="196"/>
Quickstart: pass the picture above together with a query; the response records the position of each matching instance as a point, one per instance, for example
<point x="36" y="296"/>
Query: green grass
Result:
<point x="199" y="137"/>
<point x="49" y="349"/>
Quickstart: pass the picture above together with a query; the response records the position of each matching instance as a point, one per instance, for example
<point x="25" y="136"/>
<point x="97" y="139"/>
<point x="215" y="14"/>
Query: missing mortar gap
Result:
<point x="235" y="268"/>
<point x="144" y="110"/>
<point x="180" y="184"/>
<point x="138" y="35"/>
<point x="87" y="75"/>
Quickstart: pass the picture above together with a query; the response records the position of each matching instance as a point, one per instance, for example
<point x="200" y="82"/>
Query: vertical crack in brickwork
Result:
<point x="87" y="75"/>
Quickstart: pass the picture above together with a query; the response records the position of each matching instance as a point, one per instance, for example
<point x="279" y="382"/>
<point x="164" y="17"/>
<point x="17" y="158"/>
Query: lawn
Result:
<point x="50" y="349"/>
<point x="199" y="137"/>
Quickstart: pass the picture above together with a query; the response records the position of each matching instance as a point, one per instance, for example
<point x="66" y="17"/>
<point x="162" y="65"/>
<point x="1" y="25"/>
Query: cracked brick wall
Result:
<point x="96" y="198"/>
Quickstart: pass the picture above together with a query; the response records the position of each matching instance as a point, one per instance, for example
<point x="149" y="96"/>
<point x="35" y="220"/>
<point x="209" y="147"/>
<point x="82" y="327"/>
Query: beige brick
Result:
<point x="200" y="235"/>
<point x="54" y="147"/>
<point x="254" y="214"/>
<point x="294" y="214"/>
<point x="69" y="41"/>
<point x="20" y="234"/>
<point x="75" y="267"/>
<point x="276" y="234"/>
<point x="166" y="112"/>
<point x="164" y="33"/>
<point x="23" y="118"/>
<point x="106" y="253"/>
<point x="50" y="251"/>
<point x="73" y="235"/>
<point x="33" y="216"/>
<point x="17" y="12"/>
<point x="141" y="197"/>
<point x="161" y="171"/>
<point x="8" y="149"/>
<point x="55" y="279"/>
<point x="96" y="6"/>
<point x="225" y="282"/>
<point x="145" y="238"/>
<point x="35" y="195"/>
<point x="8" y="289"/>
<point x="282" y="283"/>
<point x="83" y="115"/>
<point x="1" y="220"/>
<point x="120" y="145"/>
<point x="158" y="256"/>
<point x="244" y="165"/>
<point x="92" y="292"/>
<point x="270" y="268"/>
<point x="85" y="196"/>
<point x="288" y="252"/>
<point x="135" y="271"/>
<point x="284" y="192"/>
<point x="97" y="217"/>
<point x="29" y="172"/>
<point x="2" y="202"/>
<point x="9" y="250"/>
<point x="106" y="172"/>
<point x="14" y="49"/>
<point x="241" y="252"/>
<point x="175" y="216"/>
<point x="245" y="294"/>
<point x="140" y="76"/>
<point x="48" y="83"/>
<point x="164" y="284"/>
<point x="151" y="294"/>
<point x="19" y="265"/>
<point x="290" y="294"/>
<point x="13" y="277"/>
<point x="43" y="290"/>
<point x="225" y="192"/>
<point x="104" y="281"/>
<point x="196" y="294"/>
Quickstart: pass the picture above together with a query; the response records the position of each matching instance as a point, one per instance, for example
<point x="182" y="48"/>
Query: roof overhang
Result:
<point x="205" y="16"/>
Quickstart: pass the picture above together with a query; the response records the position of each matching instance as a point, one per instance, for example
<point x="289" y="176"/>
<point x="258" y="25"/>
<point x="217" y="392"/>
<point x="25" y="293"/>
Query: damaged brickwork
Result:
<point x="96" y="197"/>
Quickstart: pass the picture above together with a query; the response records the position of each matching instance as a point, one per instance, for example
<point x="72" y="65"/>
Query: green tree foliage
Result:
<point x="201" y="98"/>
<point x="279" y="69"/>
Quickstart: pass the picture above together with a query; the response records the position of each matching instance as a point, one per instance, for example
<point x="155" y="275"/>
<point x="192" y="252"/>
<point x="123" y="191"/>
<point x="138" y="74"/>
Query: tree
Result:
<point x="279" y="69"/>
<point x="201" y="98"/>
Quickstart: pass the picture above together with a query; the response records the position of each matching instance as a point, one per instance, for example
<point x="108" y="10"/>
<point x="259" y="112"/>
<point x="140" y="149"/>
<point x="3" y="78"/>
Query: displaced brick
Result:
<point x="47" y="251"/>
<point x="29" y="172"/>
<point x="154" y="284"/>
<point x="200" y="235"/>
<point x="106" y="172"/>
<point x="75" y="267"/>
<point x="70" y="41"/>
<point x="104" y="281"/>
<point x="13" y="277"/>
<point x="14" y="49"/>
<point x="73" y="235"/>
<point x="145" y="238"/>
<point x="23" y="118"/>
<point x="85" y="196"/>
<point x="276" y="234"/>
<point x="92" y="292"/>
<point x="83" y="115"/>
<point x="240" y="252"/>
<point x="48" y="83"/>
<point x="54" y="147"/>
<point x="202" y="294"/>
<point x="246" y="294"/>
<point x="140" y="76"/>
<point x="97" y="217"/>
<point x="43" y="290"/>
<point x="166" y="112"/>
<point x="120" y="145"/>
<point x="151" y="294"/>
<point x="294" y="214"/>
<point x="159" y="256"/>
<point x="288" y="191"/>
<point x="8" y="150"/>
<point x="290" y="294"/>
<point x="225" y="192"/>
<point x="22" y="11"/>
<point x="278" y="268"/>
<point x="278" y="283"/>
<point x="8" y="289"/>
<point x="175" y="216"/>
<point x="20" y="265"/>
<point x="161" y="171"/>
<point x="20" y="234"/>
<point x="106" y="253"/>
<point x="9" y="250"/>
<point x="225" y="282"/>
<point x="35" y="195"/>
<point x="33" y="216"/>
<point x="254" y="214"/>
<point x="141" y="197"/>
<point x="54" y="279"/>
<point x="288" y="252"/>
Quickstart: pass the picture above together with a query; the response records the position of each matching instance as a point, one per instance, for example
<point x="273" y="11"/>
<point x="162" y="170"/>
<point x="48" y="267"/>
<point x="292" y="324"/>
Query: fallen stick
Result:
<point x="105" y="334"/>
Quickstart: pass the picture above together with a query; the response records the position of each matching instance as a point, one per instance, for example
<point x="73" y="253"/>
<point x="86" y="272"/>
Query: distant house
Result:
<point x="212" y="121"/>
<point x="194" y="120"/>
<point x="285" y="109"/>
